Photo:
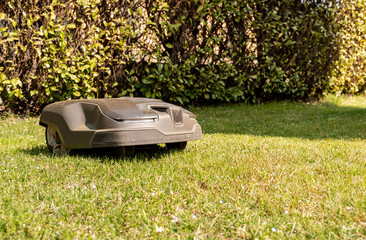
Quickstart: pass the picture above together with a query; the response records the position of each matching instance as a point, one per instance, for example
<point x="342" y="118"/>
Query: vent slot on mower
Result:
<point x="163" y="109"/>
<point x="177" y="115"/>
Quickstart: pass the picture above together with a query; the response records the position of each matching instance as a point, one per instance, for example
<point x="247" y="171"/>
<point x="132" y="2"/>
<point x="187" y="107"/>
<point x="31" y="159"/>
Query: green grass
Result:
<point x="277" y="171"/>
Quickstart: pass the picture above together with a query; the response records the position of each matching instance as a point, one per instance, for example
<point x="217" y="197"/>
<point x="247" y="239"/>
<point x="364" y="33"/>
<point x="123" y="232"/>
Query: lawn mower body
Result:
<point x="116" y="122"/>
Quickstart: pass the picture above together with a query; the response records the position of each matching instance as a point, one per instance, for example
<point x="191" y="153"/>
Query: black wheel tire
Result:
<point x="127" y="151"/>
<point x="61" y="149"/>
<point x="176" y="145"/>
<point x="49" y="147"/>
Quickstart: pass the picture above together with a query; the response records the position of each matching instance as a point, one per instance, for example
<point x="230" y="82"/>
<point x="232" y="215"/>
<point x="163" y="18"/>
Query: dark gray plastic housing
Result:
<point x="126" y="121"/>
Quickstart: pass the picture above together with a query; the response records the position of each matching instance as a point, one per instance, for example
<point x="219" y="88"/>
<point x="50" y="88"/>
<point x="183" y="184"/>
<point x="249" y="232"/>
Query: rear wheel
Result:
<point x="176" y="145"/>
<point x="53" y="141"/>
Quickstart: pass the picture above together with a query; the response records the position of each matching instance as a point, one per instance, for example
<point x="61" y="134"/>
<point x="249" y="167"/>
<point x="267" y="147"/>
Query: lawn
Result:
<point x="277" y="171"/>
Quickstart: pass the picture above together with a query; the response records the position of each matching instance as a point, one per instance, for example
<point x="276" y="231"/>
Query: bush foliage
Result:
<point x="349" y="75"/>
<point x="180" y="51"/>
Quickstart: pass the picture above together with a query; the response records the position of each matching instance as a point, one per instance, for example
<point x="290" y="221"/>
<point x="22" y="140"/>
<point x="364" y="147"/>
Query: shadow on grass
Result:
<point x="107" y="154"/>
<point x="283" y="119"/>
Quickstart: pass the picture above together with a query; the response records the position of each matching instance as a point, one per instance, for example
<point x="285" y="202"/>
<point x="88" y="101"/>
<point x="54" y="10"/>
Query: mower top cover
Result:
<point x="117" y="122"/>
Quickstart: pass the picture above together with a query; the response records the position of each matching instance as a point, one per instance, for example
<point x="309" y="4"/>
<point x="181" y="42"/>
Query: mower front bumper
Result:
<point x="141" y="137"/>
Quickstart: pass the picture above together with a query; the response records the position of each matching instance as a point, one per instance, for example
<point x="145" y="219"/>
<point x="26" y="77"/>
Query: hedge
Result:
<point x="349" y="74"/>
<point x="188" y="52"/>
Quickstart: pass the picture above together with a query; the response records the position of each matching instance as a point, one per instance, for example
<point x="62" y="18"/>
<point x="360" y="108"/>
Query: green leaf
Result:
<point x="71" y="26"/>
<point x="180" y="100"/>
<point x="2" y="77"/>
<point x="33" y="92"/>
<point x="148" y="93"/>
<point x="200" y="8"/>
<point x="14" y="23"/>
<point x="2" y="16"/>
<point x="82" y="68"/>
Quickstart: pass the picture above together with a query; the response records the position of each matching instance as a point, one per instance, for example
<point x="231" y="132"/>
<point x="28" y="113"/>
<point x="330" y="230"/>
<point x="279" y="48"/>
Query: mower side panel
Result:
<point x="70" y="121"/>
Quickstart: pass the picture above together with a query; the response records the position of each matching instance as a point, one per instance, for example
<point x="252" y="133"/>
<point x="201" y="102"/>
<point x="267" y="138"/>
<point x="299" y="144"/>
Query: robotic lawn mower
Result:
<point x="122" y="123"/>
